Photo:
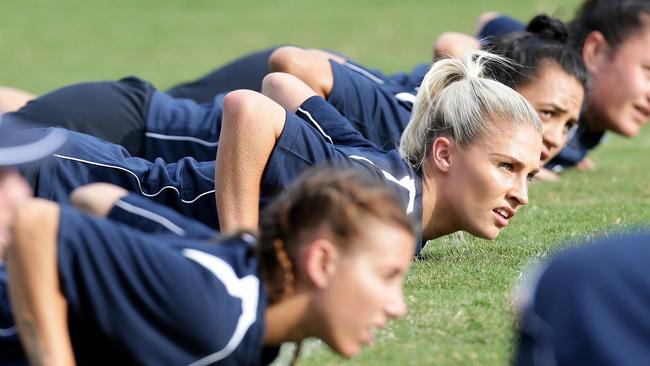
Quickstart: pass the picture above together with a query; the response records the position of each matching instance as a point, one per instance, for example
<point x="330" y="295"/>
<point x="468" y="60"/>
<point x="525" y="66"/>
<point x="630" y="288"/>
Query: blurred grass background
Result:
<point x="459" y="294"/>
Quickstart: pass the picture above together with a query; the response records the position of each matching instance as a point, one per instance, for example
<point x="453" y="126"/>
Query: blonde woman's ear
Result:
<point x="441" y="153"/>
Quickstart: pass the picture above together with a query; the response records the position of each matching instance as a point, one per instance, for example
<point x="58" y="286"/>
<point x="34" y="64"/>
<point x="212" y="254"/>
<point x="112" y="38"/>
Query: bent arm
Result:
<point x="252" y="123"/>
<point x="39" y="307"/>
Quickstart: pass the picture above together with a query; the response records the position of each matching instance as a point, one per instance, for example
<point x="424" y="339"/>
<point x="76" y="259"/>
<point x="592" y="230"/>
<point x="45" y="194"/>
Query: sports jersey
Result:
<point x="149" y="286"/>
<point x="11" y="352"/>
<point x="379" y="109"/>
<point x="316" y="134"/>
<point x="158" y="299"/>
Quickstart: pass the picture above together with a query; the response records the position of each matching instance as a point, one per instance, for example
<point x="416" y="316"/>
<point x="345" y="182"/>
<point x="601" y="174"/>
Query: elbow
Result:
<point x="97" y="199"/>
<point x="287" y="59"/>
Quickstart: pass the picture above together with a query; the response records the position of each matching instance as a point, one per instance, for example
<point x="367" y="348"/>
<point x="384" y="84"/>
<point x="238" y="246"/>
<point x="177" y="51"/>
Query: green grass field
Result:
<point x="459" y="294"/>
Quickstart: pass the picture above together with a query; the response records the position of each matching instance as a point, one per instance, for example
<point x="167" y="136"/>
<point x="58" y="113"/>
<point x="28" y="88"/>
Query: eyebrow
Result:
<point x="556" y="107"/>
<point x="514" y="160"/>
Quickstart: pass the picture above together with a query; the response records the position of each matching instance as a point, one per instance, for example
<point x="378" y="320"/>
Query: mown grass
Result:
<point x="459" y="294"/>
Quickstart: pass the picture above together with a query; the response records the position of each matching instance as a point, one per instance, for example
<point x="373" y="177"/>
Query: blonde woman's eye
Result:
<point x="506" y="166"/>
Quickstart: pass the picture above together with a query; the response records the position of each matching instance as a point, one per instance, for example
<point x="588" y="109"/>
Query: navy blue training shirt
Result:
<point x="321" y="136"/>
<point x="157" y="299"/>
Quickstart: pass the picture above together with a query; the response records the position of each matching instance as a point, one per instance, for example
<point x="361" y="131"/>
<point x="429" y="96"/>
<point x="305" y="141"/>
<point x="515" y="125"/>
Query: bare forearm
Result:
<point x="251" y="125"/>
<point x="40" y="310"/>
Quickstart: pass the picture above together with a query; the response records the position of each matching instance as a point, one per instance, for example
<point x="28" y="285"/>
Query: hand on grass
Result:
<point x="586" y="164"/>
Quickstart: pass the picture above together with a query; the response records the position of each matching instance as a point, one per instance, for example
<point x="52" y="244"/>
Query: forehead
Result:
<point x="519" y="141"/>
<point x="636" y="45"/>
<point x="385" y="242"/>
<point x="553" y="85"/>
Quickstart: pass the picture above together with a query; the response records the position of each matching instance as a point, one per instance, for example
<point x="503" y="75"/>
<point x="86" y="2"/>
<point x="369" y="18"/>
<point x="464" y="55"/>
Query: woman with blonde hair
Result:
<point x="464" y="161"/>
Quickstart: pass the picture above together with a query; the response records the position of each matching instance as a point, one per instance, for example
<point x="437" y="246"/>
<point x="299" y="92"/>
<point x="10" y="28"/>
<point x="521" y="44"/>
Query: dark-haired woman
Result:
<point x="613" y="37"/>
<point x="547" y="72"/>
<point x="155" y="125"/>
<point x="141" y="284"/>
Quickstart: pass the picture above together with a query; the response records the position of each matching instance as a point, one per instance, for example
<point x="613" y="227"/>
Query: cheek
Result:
<point x="487" y="183"/>
<point x="360" y="295"/>
<point x="625" y="86"/>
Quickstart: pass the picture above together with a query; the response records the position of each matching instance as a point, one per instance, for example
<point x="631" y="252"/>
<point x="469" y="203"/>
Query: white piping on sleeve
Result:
<point x="151" y="216"/>
<point x="136" y="177"/>
<point x="160" y="136"/>
<point x="363" y="72"/>
<point x="313" y="121"/>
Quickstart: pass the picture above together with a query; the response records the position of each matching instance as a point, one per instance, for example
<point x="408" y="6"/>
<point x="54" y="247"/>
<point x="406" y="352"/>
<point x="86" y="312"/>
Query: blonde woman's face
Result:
<point x="488" y="180"/>
<point x="557" y="97"/>
<point x="365" y="291"/>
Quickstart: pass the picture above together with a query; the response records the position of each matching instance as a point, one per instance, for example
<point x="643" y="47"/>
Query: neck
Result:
<point x="287" y="320"/>
<point x="437" y="220"/>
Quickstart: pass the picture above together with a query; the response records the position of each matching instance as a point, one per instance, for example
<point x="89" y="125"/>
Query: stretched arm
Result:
<point x="40" y="310"/>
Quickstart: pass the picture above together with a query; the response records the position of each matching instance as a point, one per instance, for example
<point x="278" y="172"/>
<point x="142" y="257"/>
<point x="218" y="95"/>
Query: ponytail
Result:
<point x="457" y="100"/>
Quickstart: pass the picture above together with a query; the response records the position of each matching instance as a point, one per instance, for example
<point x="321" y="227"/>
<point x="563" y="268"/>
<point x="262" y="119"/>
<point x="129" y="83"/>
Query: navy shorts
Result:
<point x="377" y="110"/>
<point x="246" y="72"/>
<point x="111" y="110"/>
